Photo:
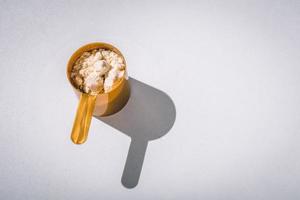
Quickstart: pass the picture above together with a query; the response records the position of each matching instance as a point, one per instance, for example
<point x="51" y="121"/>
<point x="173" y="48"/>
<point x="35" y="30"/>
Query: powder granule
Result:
<point x="96" y="71"/>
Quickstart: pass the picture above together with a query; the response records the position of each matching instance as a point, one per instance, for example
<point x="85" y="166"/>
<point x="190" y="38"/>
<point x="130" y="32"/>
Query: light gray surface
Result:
<point x="230" y="67"/>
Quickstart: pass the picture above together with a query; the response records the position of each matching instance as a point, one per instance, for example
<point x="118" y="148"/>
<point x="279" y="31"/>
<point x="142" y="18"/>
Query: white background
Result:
<point x="230" y="67"/>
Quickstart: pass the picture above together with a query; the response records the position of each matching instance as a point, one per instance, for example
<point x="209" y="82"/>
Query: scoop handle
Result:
<point x="83" y="118"/>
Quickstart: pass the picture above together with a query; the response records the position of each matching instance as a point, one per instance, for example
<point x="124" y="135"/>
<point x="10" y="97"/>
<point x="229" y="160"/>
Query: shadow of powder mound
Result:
<point x="148" y="115"/>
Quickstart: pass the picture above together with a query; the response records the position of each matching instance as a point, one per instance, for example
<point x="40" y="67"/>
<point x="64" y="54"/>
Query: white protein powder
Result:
<point x="96" y="71"/>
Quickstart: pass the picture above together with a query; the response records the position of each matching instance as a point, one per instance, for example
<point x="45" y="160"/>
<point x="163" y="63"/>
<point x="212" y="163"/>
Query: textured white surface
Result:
<point x="231" y="68"/>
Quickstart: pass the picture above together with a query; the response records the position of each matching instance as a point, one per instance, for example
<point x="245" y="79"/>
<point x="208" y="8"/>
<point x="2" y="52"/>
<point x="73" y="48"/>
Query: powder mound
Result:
<point x="96" y="71"/>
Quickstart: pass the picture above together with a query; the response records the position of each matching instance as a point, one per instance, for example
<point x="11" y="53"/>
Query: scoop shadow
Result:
<point x="148" y="115"/>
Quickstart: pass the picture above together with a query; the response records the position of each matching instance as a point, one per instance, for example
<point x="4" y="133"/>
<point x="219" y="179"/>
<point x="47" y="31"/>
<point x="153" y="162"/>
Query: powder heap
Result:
<point x="96" y="71"/>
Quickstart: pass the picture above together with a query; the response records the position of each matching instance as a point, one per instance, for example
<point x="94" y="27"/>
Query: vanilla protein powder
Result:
<point x="96" y="71"/>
